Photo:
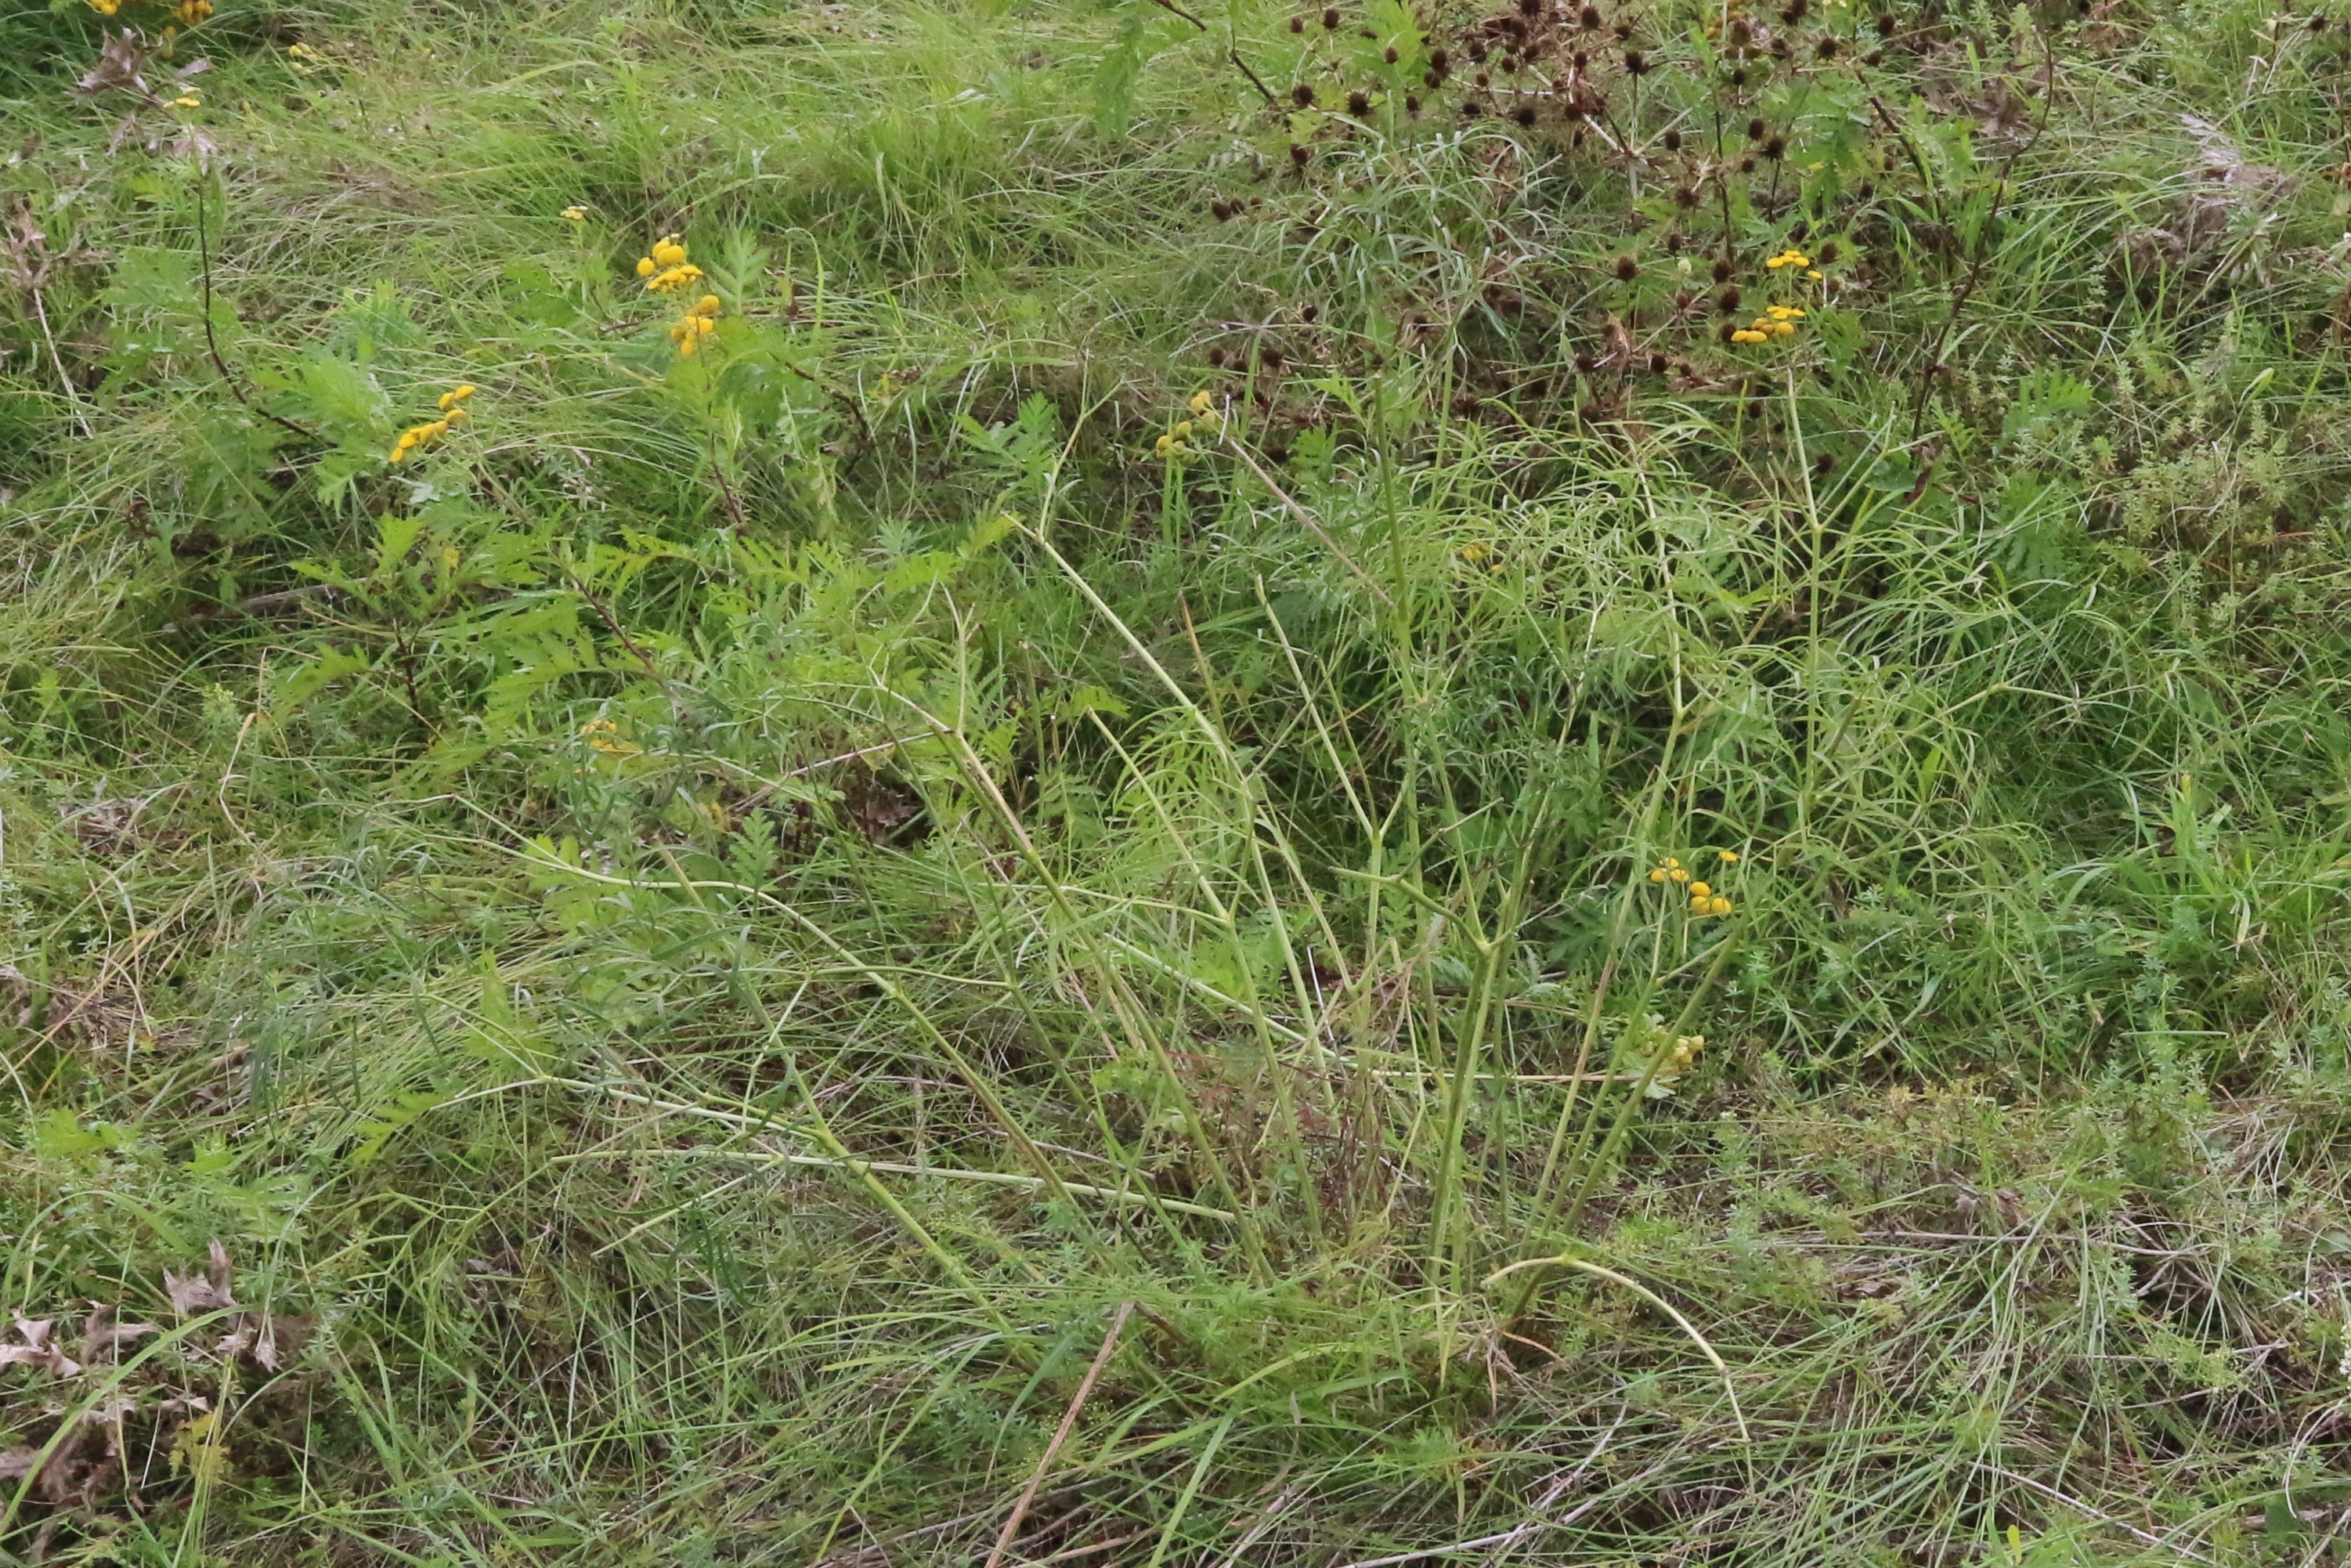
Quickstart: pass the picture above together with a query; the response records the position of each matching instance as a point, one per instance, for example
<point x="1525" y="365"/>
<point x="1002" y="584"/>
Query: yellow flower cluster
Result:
<point x="666" y="270"/>
<point x="1791" y="256"/>
<point x="452" y="404"/>
<point x="605" y="736"/>
<point x="575" y="215"/>
<point x="1703" y="899"/>
<point x="190" y="12"/>
<point x="1777" y="322"/>
<point x="1684" y="1053"/>
<point x="699" y="322"/>
<point x="1178" y="441"/>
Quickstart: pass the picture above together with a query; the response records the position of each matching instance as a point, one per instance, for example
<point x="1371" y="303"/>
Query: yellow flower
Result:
<point x="192" y="12"/>
<point x="416" y="436"/>
<point x="1669" y="862"/>
<point x="455" y="396"/>
<point x="605" y="736"/>
<point x="1814" y="275"/>
<point x="1727" y="857"/>
<point x="1717" y="904"/>
<point x="575" y="215"/>
<point x="1200" y="402"/>
<point x="1791" y="257"/>
<point x="106" y="7"/>
<point x="645" y="267"/>
<point x="187" y="100"/>
<point x="1659" y="874"/>
<point x="1745" y="335"/>
<point x="1783" y="328"/>
<point x="1701" y="889"/>
<point x="1677" y="874"/>
<point x="1785" y="313"/>
<point x="300" y="51"/>
<point x="670" y="279"/>
<point x="668" y="252"/>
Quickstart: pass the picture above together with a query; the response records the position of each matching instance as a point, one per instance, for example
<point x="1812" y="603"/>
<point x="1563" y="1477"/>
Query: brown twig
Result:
<point x="212" y="344"/>
<point x="1170" y="5"/>
<point x="257" y="601"/>
<point x="1984" y="242"/>
<point x="612" y="624"/>
<point x="718" y="469"/>
<point x="1255" y="80"/>
<point x="1062" y="1435"/>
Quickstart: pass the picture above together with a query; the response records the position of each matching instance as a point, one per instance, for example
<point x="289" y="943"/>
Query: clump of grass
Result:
<point x="876" y="785"/>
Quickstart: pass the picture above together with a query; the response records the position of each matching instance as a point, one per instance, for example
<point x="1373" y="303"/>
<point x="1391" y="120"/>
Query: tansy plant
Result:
<point x="1704" y="899"/>
<point x="667" y="271"/>
<point x="452" y="404"/>
<point x="190" y="12"/>
<point x="1178" y="441"/>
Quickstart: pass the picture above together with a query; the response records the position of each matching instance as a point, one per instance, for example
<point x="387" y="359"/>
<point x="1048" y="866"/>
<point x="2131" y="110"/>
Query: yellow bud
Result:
<point x="1718" y="905"/>
<point x="1699" y="890"/>
<point x="1200" y="401"/>
<point x="1658" y="875"/>
<point x="1727" y="857"/>
<point x="1678" y="875"/>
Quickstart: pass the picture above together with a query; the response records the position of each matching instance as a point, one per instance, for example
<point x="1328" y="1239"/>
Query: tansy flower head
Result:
<point x="418" y="435"/>
<point x="1699" y="890"/>
<point x="1727" y="857"/>
<point x="187" y="100"/>
<point x="1676" y="873"/>
<point x="668" y="252"/>
<point x="1791" y="257"/>
<point x="1200" y="402"/>
<point x="1783" y="328"/>
<point x="670" y="279"/>
<point x="605" y="736"/>
<point x="192" y="12"/>
<point x="455" y="396"/>
<point x="1717" y="904"/>
<point x="575" y="215"/>
<point x="1747" y="335"/>
<point x="1786" y="313"/>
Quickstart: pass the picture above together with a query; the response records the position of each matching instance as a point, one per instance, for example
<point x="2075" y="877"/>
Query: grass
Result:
<point x="1027" y="911"/>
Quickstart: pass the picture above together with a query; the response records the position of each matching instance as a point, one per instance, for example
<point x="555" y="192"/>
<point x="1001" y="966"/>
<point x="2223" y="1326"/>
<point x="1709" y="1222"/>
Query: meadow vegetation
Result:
<point x="1119" y="781"/>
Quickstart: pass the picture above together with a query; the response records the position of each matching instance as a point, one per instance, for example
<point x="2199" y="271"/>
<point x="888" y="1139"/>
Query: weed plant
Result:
<point x="1047" y="781"/>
